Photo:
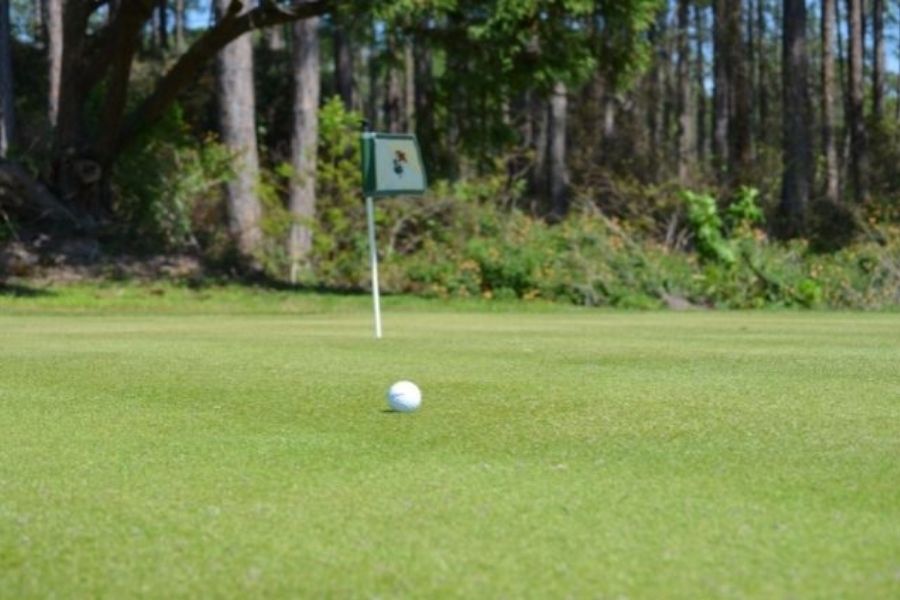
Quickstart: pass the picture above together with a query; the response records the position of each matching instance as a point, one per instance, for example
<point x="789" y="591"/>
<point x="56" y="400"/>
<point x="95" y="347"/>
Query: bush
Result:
<point x="469" y="239"/>
<point x="167" y="189"/>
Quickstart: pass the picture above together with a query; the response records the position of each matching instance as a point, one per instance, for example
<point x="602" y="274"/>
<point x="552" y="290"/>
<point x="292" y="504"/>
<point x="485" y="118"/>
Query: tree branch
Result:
<point x="185" y="71"/>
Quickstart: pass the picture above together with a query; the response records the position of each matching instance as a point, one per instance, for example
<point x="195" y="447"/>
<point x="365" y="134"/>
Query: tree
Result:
<point x="54" y="11"/>
<point x="179" y="25"/>
<point x="855" y="121"/>
<point x="700" y="75"/>
<point x="95" y="54"/>
<point x="829" y="148"/>
<point x="304" y="139"/>
<point x="797" y="153"/>
<point x="237" y="123"/>
<point x="878" y="59"/>
<point x="7" y="108"/>
<point x="162" y="24"/>
<point x="686" y="135"/>
<point x="559" y="176"/>
<point x="343" y="62"/>
<point x="721" y="101"/>
<point x="739" y="157"/>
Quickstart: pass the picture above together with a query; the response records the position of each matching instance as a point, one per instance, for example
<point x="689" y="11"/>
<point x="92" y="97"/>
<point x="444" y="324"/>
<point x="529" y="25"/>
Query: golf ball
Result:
<point x="404" y="396"/>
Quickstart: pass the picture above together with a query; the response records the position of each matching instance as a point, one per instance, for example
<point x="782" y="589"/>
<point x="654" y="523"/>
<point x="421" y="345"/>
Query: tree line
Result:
<point x="614" y="104"/>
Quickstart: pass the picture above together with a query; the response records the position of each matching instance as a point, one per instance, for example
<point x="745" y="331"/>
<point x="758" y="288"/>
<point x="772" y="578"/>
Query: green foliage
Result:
<point x="466" y="240"/>
<point x="703" y="218"/>
<point x="744" y="213"/>
<point x="339" y="234"/>
<point x="165" y="185"/>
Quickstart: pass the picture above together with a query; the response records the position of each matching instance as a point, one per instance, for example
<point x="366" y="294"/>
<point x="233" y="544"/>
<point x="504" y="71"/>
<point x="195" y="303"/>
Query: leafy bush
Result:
<point x="469" y="239"/>
<point x="165" y="185"/>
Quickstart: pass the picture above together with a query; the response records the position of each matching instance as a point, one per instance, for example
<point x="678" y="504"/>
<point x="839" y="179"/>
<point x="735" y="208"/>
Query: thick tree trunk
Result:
<point x="304" y="140"/>
<point x="559" y="177"/>
<point x="54" y="14"/>
<point x="129" y="20"/>
<point x="856" y="123"/>
<point x="237" y="121"/>
<point x="796" y="158"/>
<point x="878" y="59"/>
<point x="738" y="96"/>
<point x="343" y="66"/>
<point x="829" y="147"/>
<point x="686" y="134"/>
<point x="7" y="112"/>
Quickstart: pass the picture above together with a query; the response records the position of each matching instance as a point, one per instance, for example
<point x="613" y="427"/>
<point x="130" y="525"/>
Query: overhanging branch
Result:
<point x="230" y="26"/>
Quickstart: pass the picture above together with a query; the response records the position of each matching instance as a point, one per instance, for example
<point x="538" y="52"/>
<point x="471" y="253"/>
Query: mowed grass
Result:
<point x="557" y="454"/>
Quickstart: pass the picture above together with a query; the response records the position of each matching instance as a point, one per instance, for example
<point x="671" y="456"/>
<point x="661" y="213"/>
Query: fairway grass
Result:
<point x="559" y="454"/>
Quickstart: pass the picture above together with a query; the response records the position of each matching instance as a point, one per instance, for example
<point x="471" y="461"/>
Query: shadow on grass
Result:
<point x="14" y="290"/>
<point x="268" y="283"/>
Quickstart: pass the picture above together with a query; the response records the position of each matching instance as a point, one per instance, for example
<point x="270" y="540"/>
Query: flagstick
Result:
<point x="373" y="260"/>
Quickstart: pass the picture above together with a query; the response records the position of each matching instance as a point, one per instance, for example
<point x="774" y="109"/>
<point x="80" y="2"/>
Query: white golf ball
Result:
<point x="404" y="396"/>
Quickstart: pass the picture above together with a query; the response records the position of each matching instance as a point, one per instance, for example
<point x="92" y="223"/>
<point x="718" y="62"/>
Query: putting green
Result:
<point x="564" y="454"/>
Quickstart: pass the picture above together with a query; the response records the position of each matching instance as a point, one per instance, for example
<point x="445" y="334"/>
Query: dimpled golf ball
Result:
<point x="404" y="396"/>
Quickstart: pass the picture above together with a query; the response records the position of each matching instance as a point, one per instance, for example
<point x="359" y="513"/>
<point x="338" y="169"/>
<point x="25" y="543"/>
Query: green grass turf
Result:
<point x="557" y="453"/>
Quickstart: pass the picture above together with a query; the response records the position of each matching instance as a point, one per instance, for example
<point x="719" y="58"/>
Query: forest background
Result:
<point x="633" y="153"/>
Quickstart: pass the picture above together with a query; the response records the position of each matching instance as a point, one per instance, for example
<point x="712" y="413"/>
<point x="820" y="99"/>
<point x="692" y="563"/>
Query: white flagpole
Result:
<point x="373" y="260"/>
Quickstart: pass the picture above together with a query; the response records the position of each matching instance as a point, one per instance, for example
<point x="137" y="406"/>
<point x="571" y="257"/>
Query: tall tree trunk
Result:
<point x="409" y="87"/>
<point x="762" y="75"/>
<point x="37" y="22"/>
<point x="237" y="121"/>
<point x="656" y="97"/>
<point x="163" y="23"/>
<point x="843" y="142"/>
<point x="304" y="140"/>
<point x="738" y="99"/>
<point x="374" y="93"/>
<point x="829" y="148"/>
<point x="179" y="25"/>
<point x="7" y="113"/>
<point x="721" y="102"/>
<point x="686" y="134"/>
<point x="700" y="75"/>
<point x="897" y="79"/>
<point x="796" y="158"/>
<point x="424" y="96"/>
<point x="343" y="65"/>
<point x="559" y="177"/>
<point x="856" y="123"/>
<point x="393" y="86"/>
<point x="878" y="60"/>
<point x="541" y="119"/>
<point x="71" y="89"/>
<point x="751" y="71"/>
<point x="54" y="20"/>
